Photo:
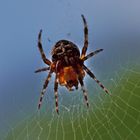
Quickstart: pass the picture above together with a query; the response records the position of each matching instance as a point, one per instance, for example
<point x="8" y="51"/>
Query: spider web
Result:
<point x="115" y="117"/>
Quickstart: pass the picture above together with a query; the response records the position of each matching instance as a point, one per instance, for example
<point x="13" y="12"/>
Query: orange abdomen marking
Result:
<point x="67" y="74"/>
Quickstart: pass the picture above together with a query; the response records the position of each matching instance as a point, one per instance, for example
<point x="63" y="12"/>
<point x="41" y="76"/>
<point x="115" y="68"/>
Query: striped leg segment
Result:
<point x="85" y="37"/>
<point x="84" y="91"/>
<point x="97" y="81"/>
<point x="56" y="94"/>
<point x="46" y="61"/>
<point x="92" y="54"/>
<point x="42" y="69"/>
<point x="44" y="89"/>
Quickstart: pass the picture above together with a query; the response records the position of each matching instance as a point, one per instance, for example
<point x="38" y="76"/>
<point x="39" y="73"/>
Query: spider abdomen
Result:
<point x="64" y="50"/>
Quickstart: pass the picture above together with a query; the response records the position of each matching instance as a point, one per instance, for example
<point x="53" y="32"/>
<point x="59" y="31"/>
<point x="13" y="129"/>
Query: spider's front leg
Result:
<point x="46" y="61"/>
<point x="84" y="49"/>
<point x="44" y="89"/>
<point x="91" y="54"/>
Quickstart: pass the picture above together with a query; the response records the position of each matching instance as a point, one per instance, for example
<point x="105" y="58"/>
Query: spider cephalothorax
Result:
<point x="68" y="66"/>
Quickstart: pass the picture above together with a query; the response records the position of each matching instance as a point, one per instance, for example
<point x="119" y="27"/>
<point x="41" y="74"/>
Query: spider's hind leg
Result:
<point x="84" y="91"/>
<point x="97" y="81"/>
<point x="44" y="89"/>
<point x="56" y="94"/>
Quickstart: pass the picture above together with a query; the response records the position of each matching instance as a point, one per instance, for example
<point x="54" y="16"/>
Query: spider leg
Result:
<point x="44" y="89"/>
<point x="46" y="61"/>
<point x="97" y="81"/>
<point x="84" y="91"/>
<point x="92" y="54"/>
<point x="42" y="69"/>
<point x="84" y="49"/>
<point x="56" y="94"/>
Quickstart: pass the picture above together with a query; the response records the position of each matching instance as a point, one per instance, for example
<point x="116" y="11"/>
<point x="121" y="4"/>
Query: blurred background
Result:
<point x="113" y="26"/>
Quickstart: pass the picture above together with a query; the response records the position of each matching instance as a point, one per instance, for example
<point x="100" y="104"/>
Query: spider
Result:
<point x="68" y="65"/>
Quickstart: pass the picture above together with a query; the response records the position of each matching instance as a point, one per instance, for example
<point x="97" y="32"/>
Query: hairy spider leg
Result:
<point x="97" y="81"/>
<point x="84" y="91"/>
<point x="92" y="54"/>
<point x="44" y="89"/>
<point x="80" y="79"/>
<point x="56" y="94"/>
<point x="84" y="49"/>
<point x="46" y="61"/>
<point x="42" y="69"/>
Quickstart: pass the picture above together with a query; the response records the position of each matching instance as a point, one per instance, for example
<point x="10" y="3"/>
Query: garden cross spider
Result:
<point x="68" y="65"/>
